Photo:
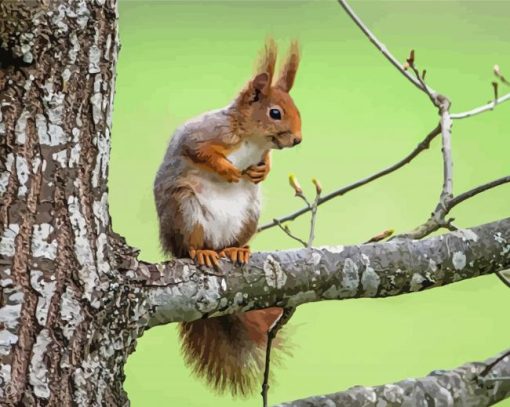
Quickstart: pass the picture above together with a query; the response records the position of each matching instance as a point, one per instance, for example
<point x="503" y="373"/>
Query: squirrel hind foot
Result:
<point x="237" y="254"/>
<point x="209" y="258"/>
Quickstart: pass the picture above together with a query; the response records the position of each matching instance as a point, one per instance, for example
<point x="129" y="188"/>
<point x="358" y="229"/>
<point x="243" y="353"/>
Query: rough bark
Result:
<point x="63" y="337"/>
<point x="457" y="387"/>
<point x="73" y="296"/>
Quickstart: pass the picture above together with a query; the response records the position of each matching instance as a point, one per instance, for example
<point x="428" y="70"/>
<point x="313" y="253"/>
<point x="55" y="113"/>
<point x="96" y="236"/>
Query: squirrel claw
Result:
<point x="231" y="174"/>
<point x="208" y="258"/>
<point x="237" y="254"/>
<point x="257" y="173"/>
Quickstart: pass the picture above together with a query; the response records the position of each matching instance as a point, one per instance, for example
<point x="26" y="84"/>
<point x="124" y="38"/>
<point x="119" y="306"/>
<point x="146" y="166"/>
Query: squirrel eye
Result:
<point x="275" y="114"/>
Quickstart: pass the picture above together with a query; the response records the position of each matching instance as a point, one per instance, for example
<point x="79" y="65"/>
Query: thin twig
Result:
<point x="475" y="191"/>
<point x="313" y="219"/>
<point x="438" y="219"/>
<point x="490" y="366"/>
<point x="495" y="89"/>
<point x="423" y="145"/>
<point x="500" y="76"/>
<point x="446" y="126"/>
<point x="450" y="226"/>
<point x="271" y="334"/>
<point x="503" y="279"/>
<point x="289" y="233"/>
<point x="303" y="197"/>
<point x="380" y="236"/>
<point x="443" y="104"/>
<point x="381" y="47"/>
<point x="481" y="109"/>
<point x="421" y="79"/>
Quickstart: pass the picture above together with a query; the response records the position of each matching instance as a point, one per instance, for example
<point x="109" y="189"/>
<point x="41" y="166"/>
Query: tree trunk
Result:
<point x="63" y="336"/>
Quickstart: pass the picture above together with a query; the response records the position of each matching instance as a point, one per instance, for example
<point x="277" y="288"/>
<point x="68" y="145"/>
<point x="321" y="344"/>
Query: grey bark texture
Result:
<point x="73" y="295"/>
<point x="459" y="387"/>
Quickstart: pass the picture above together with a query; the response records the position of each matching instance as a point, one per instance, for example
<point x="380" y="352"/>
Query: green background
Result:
<point x="359" y="114"/>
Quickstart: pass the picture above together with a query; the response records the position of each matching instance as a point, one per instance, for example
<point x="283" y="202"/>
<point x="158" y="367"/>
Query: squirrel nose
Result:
<point x="296" y="138"/>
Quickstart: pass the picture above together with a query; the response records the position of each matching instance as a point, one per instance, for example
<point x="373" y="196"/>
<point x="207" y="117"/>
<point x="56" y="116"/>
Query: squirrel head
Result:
<point x="266" y="110"/>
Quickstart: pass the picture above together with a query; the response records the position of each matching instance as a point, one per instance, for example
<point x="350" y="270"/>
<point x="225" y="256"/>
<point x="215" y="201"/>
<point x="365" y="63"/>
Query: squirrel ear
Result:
<point x="289" y="69"/>
<point x="259" y="86"/>
<point x="261" y="83"/>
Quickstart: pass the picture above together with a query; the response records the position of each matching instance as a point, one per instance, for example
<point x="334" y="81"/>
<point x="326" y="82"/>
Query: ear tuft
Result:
<point x="289" y="68"/>
<point x="265" y="71"/>
<point x="267" y="60"/>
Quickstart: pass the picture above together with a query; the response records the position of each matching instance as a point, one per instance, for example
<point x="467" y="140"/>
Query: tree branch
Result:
<point x="423" y="145"/>
<point x="481" y="109"/>
<point x="315" y="205"/>
<point x="461" y="386"/>
<point x="179" y="291"/>
<point x="381" y="47"/>
<point x="414" y="80"/>
<point x="438" y="219"/>
<point x="287" y="231"/>
<point x="499" y="75"/>
<point x="271" y="335"/>
<point x="475" y="191"/>
<point x="446" y="126"/>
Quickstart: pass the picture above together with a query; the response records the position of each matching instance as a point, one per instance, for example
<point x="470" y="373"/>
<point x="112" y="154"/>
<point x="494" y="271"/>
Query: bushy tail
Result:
<point x="229" y="351"/>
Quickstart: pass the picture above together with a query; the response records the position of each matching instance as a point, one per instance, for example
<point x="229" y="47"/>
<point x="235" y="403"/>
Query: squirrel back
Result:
<point x="207" y="200"/>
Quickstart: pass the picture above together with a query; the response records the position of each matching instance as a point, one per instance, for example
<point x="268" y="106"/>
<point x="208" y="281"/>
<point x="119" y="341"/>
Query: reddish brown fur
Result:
<point x="289" y="69"/>
<point x="171" y="239"/>
<point x="267" y="61"/>
<point x="228" y="352"/>
<point x="212" y="156"/>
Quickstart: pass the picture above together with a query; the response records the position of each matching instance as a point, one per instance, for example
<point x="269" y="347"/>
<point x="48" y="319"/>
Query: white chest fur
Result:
<point x="247" y="154"/>
<point x="228" y="207"/>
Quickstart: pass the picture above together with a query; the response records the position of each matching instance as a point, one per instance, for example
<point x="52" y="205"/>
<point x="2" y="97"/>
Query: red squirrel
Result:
<point x="207" y="200"/>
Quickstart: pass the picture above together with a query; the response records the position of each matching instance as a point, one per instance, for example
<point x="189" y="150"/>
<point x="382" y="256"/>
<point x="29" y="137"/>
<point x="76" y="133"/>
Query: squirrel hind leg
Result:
<point x="196" y="250"/>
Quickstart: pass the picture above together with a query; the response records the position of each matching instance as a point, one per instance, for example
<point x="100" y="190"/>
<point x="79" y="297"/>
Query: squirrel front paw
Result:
<point x="208" y="258"/>
<point x="257" y="173"/>
<point x="230" y="173"/>
<point x="237" y="254"/>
